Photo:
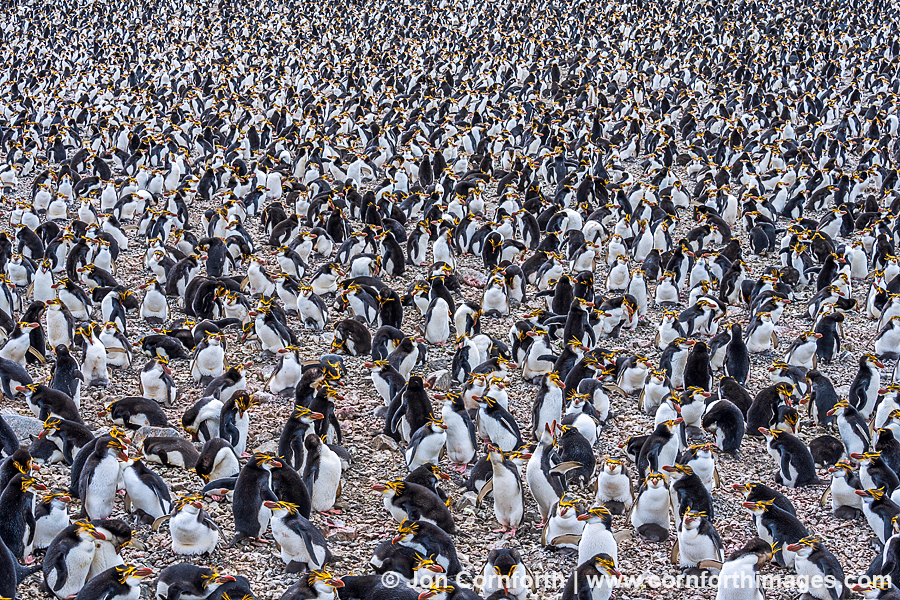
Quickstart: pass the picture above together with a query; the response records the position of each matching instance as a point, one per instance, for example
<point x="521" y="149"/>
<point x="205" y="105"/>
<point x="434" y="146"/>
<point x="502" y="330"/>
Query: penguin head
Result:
<point x="428" y="563"/>
<point x="282" y="508"/>
<point x="86" y="531"/>
<point x="805" y="546"/>
<point x="244" y="401"/>
<point x="758" y="507"/>
<point x="839" y="406"/>
<point x="390" y="488"/>
<point x="302" y="413"/>
<point x="406" y="531"/>
<point x="55" y="497"/>
<point x="437" y="425"/>
<point x="324" y="582"/>
<point x="656" y="480"/>
<point x="51" y="425"/>
<point x="871" y="360"/>
<point x="597" y="514"/>
<point x="266" y="461"/>
<point x="842" y="468"/>
<point x="132" y="576"/>
<point x="605" y="564"/>
<point x="678" y="470"/>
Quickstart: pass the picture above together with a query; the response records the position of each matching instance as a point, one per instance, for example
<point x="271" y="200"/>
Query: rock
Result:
<point x="147" y="431"/>
<point x="24" y="427"/>
<point x="270" y="447"/>
<point x="471" y="277"/>
<point x="383" y="442"/>
<point x="439" y="380"/>
<point x="467" y="500"/>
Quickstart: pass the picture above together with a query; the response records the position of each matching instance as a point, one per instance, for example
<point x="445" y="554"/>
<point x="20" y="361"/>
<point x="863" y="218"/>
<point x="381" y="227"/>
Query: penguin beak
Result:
<point x="794" y="547"/>
<point x="584" y="517"/>
<point x="98" y="535"/>
<point x="142" y="572"/>
<point x="225" y="579"/>
<point x="427" y="595"/>
<point x="379" y="488"/>
<point x="270" y="505"/>
<point x="396" y="539"/>
<point x="316" y="416"/>
<point x="335" y="583"/>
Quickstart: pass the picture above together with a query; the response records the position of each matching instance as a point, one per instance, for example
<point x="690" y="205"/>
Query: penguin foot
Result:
<point x="260" y="541"/>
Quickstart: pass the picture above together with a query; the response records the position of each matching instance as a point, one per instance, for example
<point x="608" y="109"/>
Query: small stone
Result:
<point x="345" y="534"/>
<point x="24" y="427"/>
<point x="383" y="442"/>
<point x="439" y="380"/>
<point x="147" y="431"/>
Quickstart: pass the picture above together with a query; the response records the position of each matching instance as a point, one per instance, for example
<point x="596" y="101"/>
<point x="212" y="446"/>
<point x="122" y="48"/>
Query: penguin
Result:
<point x="170" y="452"/>
<point x="461" y="444"/>
<point x="595" y="579"/>
<point x="68" y="559"/>
<point x="546" y="484"/>
<point x="852" y="427"/>
<point x="505" y="573"/>
<point x="322" y="585"/>
<point x="157" y="383"/>
<point x="874" y="473"/>
<point x="188" y="582"/>
<point x="234" y="420"/>
<point x="430" y="540"/>
<point x="864" y="389"/>
<point x="879" y="511"/>
<point x="192" y="529"/>
<point x="738" y="575"/>
<point x="303" y="547"/>
<point x="414" y="502"/>
<point x="777" y="527"/>
<point x="154" y="306"/>
<point x="18" y="526"/>
<point x="597" y="535"/>
<point x="508" y="492"/>
<point x="737" y="356"/>
<point x="697" y="541"/>
<point x="428" y="475"/>
<point x="251" y="490"/>
<point x="202" y="419"/>
<point x="321" y="474"/>
<point x="823" y="395"/>
<point x="134" y="412"/>
<point x="576" y="450"/>
<point x="98" y="481"/>
<point x="661" y="448"/>
<point x="217" y="460"/>
<point x="755" y="491"/>
<point x="51" y="517"/>
<point x="60" y="324"/>
<point x="426" y="444"/>
<point x="497" y="425"/>
<point x="649" y="514"/>
<point x="548" y="404"/>
<point x="688" y="493"/>
<point x="45" y="402"/>
<point x="615" y="491"/>
<point x="208" y="360"/>
<point x="826" y="450"/>
<point x="93" y="361"/>
<point x="726" y="422"/>
<point x="845" y="503"/>
<point x="795" y="464"/>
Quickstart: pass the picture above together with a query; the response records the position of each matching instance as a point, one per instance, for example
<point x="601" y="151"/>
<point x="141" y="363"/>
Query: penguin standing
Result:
<point x="594" y="579"/>
<point x="303" y="547"/>
<point x="795" y="464"/>
<point x="508" y="492"/>
<point x="98" y="480"/>
<point x="697" y="541"/>
<point x="251" y="490"/>
<point x="650" y="511"/>
<point x="321" y="473"/>
<point x="68" y="559"/>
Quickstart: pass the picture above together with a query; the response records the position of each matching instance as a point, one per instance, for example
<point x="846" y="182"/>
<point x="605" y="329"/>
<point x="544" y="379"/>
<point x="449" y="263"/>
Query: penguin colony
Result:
<point x="440" y="287"/>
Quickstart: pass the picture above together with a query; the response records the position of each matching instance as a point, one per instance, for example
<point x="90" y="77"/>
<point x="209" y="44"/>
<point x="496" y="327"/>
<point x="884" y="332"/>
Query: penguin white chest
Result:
<point x="694" y="547"/>
<point x="508" y="506"/>
<point x="190" y="536"/>
<point x="78" y="563"/>
<point x="101" y="490"/>
<point x="324" y="489"/>
<point x="596" y="538"/>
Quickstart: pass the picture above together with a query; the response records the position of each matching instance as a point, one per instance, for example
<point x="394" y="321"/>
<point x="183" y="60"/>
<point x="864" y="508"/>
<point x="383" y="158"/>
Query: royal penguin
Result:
<point x="303" y="547"/>
<point x="508" y="493"/>
<point x="201" y="420"/>
<point x="402" y="500"/>
<point x="68" y="559"/>
<point x="595" y="579"/>
<point x="217" y="460"/>
<point x="461" y="444"/>
<point x="688" y="492"/>
<point x="853" y="428"/>
<point x="505" y="575"/>
<point x="726" y="422"/>
<point x="738" y="575"/>
<point x="321" y="473"/>
<point x="821" y="568"/>
<point x="430" y="541"/>
<point x="252" y="489"/>
<point x="546" y="484"/>
<point x="146" y="494"/>
<point x="778" y="527"/>
<point x="17" y="526"/>
<point x="154" y="305"/>
<point x="157" y="383"/>
<point x="94" y="358"/>
<point x="426" y="444"/>
<point x="51" y="517"/>
<point x="234" y="420"/>
<point x="170" y="452"/>
<point x="188" y="582"/>
<point x="192" y="530"/>
<point x="649" y="514"/>
<point x="98" y="480"/>
<point x="208" y="360"/>
<point x="863" y="393"/>
<point x="697" y="541"/>
<point x="598" y="536"/>
<point x="845" y="503"/>
<point x="795" y="464"/>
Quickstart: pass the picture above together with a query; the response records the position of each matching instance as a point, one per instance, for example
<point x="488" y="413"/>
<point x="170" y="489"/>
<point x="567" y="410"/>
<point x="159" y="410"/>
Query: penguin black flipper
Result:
<point x="9" y="443"/>
<point x="57" y="563"/>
